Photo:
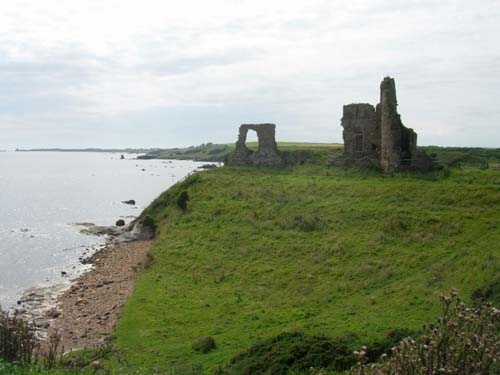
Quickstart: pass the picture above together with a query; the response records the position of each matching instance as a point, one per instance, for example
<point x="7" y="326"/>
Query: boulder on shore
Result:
<point x="120" y="223"/>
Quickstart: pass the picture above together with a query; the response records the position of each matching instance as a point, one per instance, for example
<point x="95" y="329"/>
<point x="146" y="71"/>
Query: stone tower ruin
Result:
<point x="377" y="137"/>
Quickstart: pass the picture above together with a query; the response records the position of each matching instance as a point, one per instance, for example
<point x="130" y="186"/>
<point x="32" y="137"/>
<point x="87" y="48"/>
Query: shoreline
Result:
<point x="84" y="311"/>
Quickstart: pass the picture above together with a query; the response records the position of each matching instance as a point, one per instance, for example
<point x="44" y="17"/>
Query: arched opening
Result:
<point x="252" y="141"/>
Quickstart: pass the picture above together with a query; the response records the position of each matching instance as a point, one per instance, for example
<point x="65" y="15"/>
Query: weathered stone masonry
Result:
<point x="267" y="153"/>
<point x="377" y="137"/>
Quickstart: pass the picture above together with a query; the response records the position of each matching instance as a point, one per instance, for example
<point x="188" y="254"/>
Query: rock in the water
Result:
<point x="130" y="201"/>
<point x="120" y="223"/>
<point x="208" y="166"/>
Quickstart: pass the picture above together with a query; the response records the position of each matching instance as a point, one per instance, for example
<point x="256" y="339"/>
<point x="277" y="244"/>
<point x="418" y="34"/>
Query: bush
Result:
<point x="489" y="293"/>
<point x="463" y="341"/>
<point x="81" y="359"/>
<point x="307" y="223"/>
<point x="149" y="222"/>
<point x="17" y="339"/>
<point x="291" y="352"/>
<point x="378" y="348"/>
<point x="182" y="200"/>
<point x="204" y="345"/>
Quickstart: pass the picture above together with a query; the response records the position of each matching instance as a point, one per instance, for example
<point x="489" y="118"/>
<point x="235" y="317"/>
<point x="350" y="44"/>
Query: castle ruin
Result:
<point x="377" y="137"/>
<point x="267" y="153"/>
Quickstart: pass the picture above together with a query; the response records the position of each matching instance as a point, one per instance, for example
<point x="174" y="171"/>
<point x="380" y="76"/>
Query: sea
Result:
<point x="44" y="194"/>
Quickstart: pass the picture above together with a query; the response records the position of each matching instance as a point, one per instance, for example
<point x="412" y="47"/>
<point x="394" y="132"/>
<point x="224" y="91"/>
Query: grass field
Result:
<point x="445" y="156"/>
<point x="314" y="249"/>
<point x="218" y="152"/>
<point x="317" y="249"/>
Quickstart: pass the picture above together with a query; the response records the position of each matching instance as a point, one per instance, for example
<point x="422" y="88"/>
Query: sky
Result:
<point x="162" y="73"/>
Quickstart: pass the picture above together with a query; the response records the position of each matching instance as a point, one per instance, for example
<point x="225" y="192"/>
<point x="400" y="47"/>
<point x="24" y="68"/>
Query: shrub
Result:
<point x="378" y="348"/>
<point x="182" y="200"/>
<point x="81" y="359"/>
<point x="307" y="223"/>
<point x="17" y="339"/>
<point x="463" y="341"/>
<point x="291" y="352"/>
<point x="20" y="348"/>
<point x="204" y="345"/>
<point x="489" y="293"/>
<point x="149" y="222"/>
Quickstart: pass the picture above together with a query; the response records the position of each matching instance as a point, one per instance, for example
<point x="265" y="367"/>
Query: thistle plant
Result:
<point x="463" y="341"/>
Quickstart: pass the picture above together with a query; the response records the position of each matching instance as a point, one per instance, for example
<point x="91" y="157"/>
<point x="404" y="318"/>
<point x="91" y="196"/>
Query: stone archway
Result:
<point x="267" y="153"/>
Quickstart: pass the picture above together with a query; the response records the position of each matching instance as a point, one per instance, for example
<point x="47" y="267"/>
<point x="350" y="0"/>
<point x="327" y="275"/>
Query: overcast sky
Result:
<point x="118" y="73"/>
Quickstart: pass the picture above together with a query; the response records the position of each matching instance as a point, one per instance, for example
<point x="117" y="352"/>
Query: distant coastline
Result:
<point x="113" y="150"/>
<point x="212" y="152"/>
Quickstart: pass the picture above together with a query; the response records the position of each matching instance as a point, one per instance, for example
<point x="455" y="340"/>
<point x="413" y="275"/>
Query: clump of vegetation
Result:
<point x="489" y="293"/>
<point x="149" y="222"/>
<point x="84" y="358"/>
<point x="182" y="200"/>
<point x="463" y="341"/>
<point x="159" y="208"/>
<point x="204" y="344"/>
<point x="464" y="157"/>
<point x="291" y="353"/>
<point x="378" y="348"/>
<point x="306" y="223"/>
<point x="20" y="349"/>
<point x="17" y="339"/>
<point x="296" y="352"/>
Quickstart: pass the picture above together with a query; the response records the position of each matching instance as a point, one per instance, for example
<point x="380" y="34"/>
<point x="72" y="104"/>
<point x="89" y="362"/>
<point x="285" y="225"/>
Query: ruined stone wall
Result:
<point x="378" y="137"/>
<point x="391" y="128"/>
<point x="267" y="153"/>
<point x="361" y="135"/>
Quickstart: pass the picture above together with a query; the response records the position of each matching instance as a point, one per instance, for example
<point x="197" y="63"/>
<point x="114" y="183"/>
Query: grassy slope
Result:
<point x="453" y="156"/>
<point x="317" y="249"/>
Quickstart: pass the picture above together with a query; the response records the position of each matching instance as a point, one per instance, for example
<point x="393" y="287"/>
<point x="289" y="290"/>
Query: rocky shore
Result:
<point x="85" y="314"/>
<point x="85" y="311"/>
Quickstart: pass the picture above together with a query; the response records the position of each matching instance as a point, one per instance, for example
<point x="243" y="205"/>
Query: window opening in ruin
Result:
<point x="358" y="143"/>
<point x="252" y="141"/>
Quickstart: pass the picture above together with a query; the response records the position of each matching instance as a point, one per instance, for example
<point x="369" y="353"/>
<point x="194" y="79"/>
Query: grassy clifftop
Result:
<point x="446" y="156"/>
<point x="218" y="152"/>
<point x="315" y="249"/>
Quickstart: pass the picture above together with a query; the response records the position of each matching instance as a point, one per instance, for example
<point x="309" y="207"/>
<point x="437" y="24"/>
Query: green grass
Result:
<point x="10" y="369"/>
<point x="218" y="152"/>
<point x="322" y="152"/>
<point x="464" y="156"/>
<point x="314" y="249"/>
<point x="205" y="152"/>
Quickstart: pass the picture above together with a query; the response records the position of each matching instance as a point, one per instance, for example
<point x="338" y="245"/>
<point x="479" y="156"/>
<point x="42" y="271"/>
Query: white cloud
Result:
<point x="216" y="63"/>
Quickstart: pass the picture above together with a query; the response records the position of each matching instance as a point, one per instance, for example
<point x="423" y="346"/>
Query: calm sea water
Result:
<point x="43" y="193"/>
